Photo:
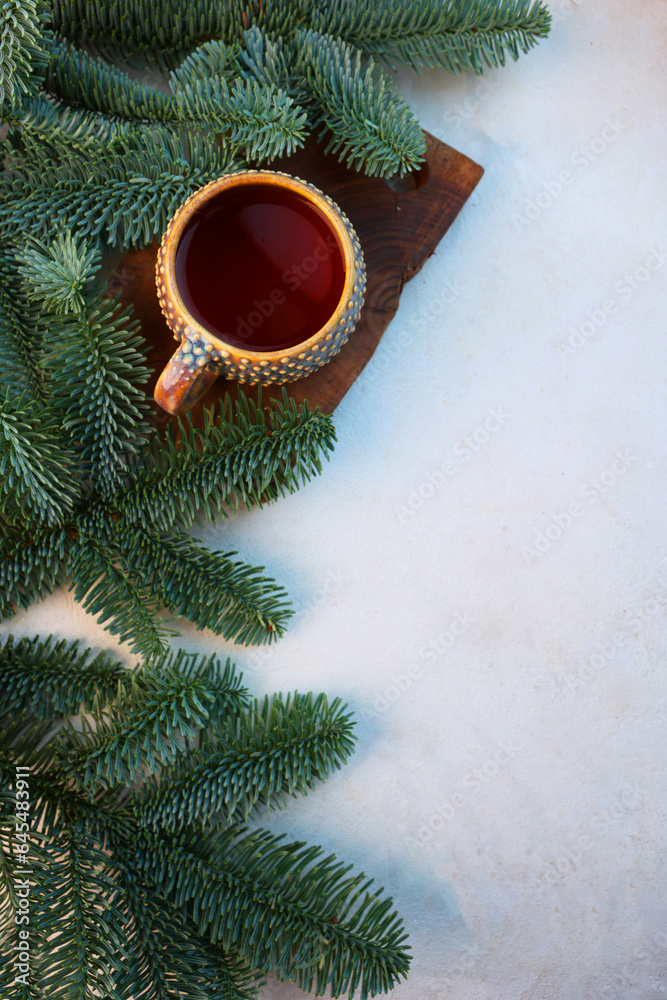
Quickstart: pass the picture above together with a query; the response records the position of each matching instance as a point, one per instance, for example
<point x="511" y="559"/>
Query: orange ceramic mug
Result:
<point x="261" y="278"/>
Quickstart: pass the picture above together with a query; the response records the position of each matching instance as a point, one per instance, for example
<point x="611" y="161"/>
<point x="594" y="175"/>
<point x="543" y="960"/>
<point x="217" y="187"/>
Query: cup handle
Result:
<point x="183" y="381"/>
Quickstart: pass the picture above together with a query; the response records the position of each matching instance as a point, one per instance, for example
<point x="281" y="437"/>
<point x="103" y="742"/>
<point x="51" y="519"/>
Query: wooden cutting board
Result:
<point x="399" y="223"/>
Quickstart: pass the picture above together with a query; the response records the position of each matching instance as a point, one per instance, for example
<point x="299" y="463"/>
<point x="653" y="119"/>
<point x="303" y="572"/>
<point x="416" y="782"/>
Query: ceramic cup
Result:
<point x="293" y="267"/>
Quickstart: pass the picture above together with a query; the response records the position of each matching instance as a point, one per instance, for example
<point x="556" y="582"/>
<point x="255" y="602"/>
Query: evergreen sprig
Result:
<point x="326" y="931"/>
<point x="244" y="455"/>
<point x="74" y="912"/>
<point x="261" y="72"/>
<point x="90" y="491"/>
<point x="166" y="707"/>
<point x="22" y="50"/>
<point x="189" y="969"/>
<point x="267" y="59"/>
<point x="32" y="564"/>
<point x="208" y="588"/>
<point x="126" y="196"/>
<point x="35" y="469"/>
<point x="281" y="747"/>
<point x="144" y="32"/>
<point x="50" y="678"/>
<point x="45" y="120"/>
<point x="120" y="602"/>
<point x="457" y="34"/>
<point x="165" y="33"/>
<point x="96" y="370"/>
<point x="20" y="335"/>
<point x="76" y="77"/>
<point x="260" y="121"/>
<point x="212" y="60"/>
<point x="57" y="274"/>
<point x="369" y="123"/>
<point x="257" y="74"/>
<point x="194" y="905"/>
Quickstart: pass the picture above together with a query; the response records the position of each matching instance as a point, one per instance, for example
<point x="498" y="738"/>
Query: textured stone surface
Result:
<point x="512" y="701"/>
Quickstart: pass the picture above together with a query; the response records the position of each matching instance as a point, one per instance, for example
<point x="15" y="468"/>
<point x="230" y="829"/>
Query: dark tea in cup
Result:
<point x="260" y="268"/>
<point x="261" y="277"/>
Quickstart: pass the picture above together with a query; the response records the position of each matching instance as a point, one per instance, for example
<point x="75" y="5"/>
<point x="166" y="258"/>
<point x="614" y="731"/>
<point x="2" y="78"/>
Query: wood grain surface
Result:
<point x="399" y="224"/>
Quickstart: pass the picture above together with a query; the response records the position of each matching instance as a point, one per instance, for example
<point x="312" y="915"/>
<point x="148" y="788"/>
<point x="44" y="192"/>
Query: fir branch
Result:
<point x="267" y="60"/>
<point x="95" y="362"/>
<point x="164" y="708"/>
<point x="326" y="930"/>
<point x="56" y="274"/>
<point x="152" y="970"/>
<point x="280" y="748"/>
<point x="159" y="33"/>
<point x="261" y="121"/>
<point x="260" y="902"/>
<point x="457" y="34"/>
<point x="128" y="196"/>
<point x="229" y="697"/>
<point x="209" y="588"/>
<point x="228" y="975"/>
<point x="164" y="33"/>
<point x="48" y="120"/>
<point x="22" y="53"/>
<point x="21" y="738"/>
<point x="372" y="128"/>
<point x="213" y="59"/>
<point x="35" y="470"/>
<point x="244" y="456"/>
<point x="16" y="989"/>
<point x="102" y="816"/>
<point x="51" y="679"/>
<point x="36" y="743"/>
<point x="20" y="333"/>
<point x="76" y="77"/>
<point x="12" y="985"/>
<point x="85" y="936"/>
<point x="176" y="972"/>
<point x="272" y="17"/>
<point x="30" y="568"/>
<point x="14" y="830"/>
<point x="105" y="590"/>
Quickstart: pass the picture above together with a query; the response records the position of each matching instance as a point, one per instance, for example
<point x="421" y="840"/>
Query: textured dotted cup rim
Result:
<point x="166" y="266"/>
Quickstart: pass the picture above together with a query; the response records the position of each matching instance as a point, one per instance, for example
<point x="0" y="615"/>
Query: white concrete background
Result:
<point x="509" y="784"/>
